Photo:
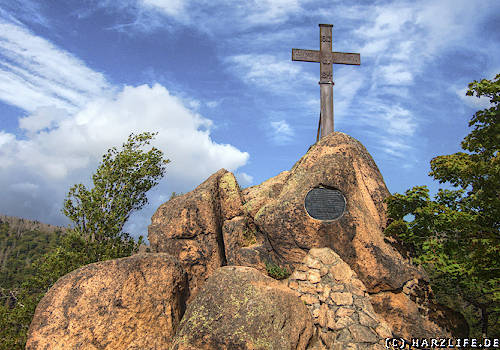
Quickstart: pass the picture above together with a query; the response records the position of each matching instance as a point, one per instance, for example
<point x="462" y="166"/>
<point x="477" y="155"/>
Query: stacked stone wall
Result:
<point x="338" y="301"/>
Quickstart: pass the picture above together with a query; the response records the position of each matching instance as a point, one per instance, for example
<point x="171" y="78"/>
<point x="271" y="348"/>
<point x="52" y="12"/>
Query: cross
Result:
<point x="326" y="58"/>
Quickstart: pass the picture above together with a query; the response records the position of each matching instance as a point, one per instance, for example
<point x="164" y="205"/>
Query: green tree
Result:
<point x="455" y="235"/>
<point x="120" y="185"/>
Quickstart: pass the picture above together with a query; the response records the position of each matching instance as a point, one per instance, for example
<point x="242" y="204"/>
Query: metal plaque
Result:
<point x="325" y="204"/>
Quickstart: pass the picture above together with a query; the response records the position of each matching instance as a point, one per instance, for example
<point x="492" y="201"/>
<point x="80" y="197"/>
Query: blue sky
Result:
<point x="216" y="80"/>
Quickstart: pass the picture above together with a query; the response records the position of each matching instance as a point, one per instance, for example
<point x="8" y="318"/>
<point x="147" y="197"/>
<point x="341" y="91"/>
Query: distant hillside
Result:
<point x="22" y="241"/>
<point x="20" y="224"/>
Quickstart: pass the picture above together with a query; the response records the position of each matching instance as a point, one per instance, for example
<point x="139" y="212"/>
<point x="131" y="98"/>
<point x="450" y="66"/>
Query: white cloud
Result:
<point x="244" y="179"/>
<point x="348" y="81"/>
<point x="212" y="104"/>
<point x="6" y="142"/>
<point x="6" y="138"/>
<point x="42" y="118"/>
<point x="269" y="11"/>
<point x="389" y="20"/>
<point x="210" y="16"/>
<point x="395" y="120"/>
<point x="395" y="147"/>
<point x="74" y="116"/>
<point x="34" y="73"/>
<point x="25" y="187"/>
<point x="69" y="151"/>
<point x="281" y="132"/>
<point x="396" y="74"/>
<point x="268" y="71"/>
<point x="78" y="140"/>
<point x="169" y="7"/>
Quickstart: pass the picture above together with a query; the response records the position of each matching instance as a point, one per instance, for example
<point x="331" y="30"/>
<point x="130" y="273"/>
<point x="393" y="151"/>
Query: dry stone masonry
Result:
<point x="341" y="309"/>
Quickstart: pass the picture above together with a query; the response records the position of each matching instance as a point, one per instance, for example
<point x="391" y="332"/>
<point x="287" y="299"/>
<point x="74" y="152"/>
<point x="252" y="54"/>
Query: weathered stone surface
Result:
<point x="312" y="263"/>
<point x="404" y="316"/>
<point x="242" y="244"/>
<point x="217" y="224"/>
<point x="314" y="276"/>
<point x="362" y="334"/>
<point x="251" y="311"/>
<point x="189" y="227"/>
<point x="336" y="161"/>
<point x="341" y="298"/>
<point x="341" y="271"/>
<point x="130" y="303"/>
<point x="309" y="298"/>
<point x="366" y="320"/>
<point x="343" y="312"/>
<point x="326" y="256"/>
<point x="207" y="228"/>
<point x="339" y="321"/>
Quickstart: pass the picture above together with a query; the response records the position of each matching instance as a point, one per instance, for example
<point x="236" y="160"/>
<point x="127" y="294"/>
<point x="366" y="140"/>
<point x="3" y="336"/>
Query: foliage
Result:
<point x="276" y="272"/>
<point x="18" y="250"/>
<point x="249" y="237"/>
<point x="456" y="235"/>
<point x="19" y="303"/>
<point x="120" y="185"/>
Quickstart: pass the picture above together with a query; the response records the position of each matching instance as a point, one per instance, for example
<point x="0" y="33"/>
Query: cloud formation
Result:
<point x="35" y="73"/>
<point x="281" y="132"/>
<point x="74" y="116"/>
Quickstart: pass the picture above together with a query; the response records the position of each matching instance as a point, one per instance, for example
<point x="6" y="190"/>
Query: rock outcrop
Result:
<point x="217" y="224"/>
<point x="240" y="308"/>
<point x="206" y="229"/>
<point x="130" y="303"/>
<point x="338" y="162"/>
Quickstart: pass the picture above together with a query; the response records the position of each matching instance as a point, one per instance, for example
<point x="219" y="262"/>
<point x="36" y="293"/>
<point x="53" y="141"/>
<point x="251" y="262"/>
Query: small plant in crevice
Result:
<point x="276" y="272"/>
<point x="175" y="194"/>
<point x="249" y="237"/>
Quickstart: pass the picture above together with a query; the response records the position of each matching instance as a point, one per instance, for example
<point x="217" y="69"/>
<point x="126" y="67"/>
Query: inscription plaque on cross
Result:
<point x="326" y="58"/>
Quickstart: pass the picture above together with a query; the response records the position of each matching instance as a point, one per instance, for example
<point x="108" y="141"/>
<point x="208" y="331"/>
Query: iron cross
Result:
<point x="326" y="58"/>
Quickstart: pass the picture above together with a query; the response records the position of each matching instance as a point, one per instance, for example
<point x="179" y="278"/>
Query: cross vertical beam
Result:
<point x="326" y="78"/>
<point x="326" y="58"/>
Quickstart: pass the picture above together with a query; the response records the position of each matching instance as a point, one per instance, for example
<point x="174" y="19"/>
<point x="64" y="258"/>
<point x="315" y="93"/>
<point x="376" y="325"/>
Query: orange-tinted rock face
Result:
<point x="240" y="308"/>
<point x="339" y="162"/>
<point x="217" y="224"/>
<point x="130" y="303"/>
<point x="189" y="227"/>
<point x="197" y="226"/>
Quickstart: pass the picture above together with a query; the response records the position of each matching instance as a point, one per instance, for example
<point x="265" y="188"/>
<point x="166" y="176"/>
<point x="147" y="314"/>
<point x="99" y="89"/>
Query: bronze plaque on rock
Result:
<point x="325" y="204"/>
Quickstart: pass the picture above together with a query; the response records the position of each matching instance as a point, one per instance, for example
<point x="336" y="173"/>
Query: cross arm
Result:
<point x="305" y="55"/>
<point x="336" y="57"/>
<point x="346" y="58"/>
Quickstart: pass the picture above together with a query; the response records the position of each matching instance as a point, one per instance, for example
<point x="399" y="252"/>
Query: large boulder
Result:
<point x="206" y="229"/>
<point x="240" y="308"/>
<point x="413" y="312"/>
<point x="130" y="303"/>
<point x="339" y="162"/>
<point x="217" y="224"/>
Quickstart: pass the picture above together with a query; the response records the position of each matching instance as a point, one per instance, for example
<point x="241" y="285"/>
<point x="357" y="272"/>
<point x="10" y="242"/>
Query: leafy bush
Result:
<point x="276" y="272"/>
